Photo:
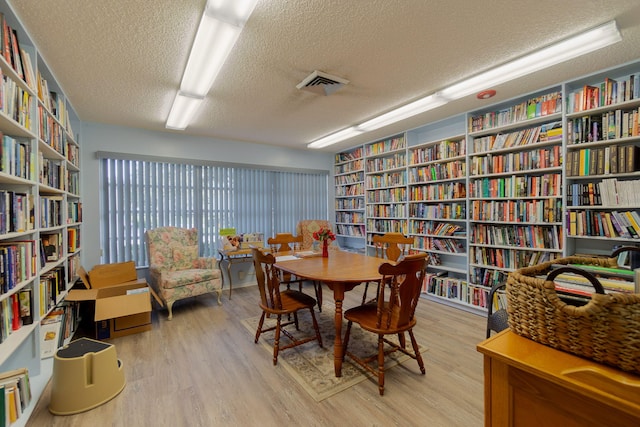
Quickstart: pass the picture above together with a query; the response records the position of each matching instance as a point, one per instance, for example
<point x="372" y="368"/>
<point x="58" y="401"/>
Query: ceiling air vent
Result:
<point x="322" y="83"/>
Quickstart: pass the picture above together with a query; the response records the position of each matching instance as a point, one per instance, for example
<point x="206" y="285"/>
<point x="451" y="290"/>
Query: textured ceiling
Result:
<point x="120" y="62"/>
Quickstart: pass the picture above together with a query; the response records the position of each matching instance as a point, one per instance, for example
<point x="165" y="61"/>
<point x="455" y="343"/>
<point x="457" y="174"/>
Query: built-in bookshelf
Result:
<point x="603" y="161"/>
<point x="349" y="198"/>
<point x="515" y="187"/>
<point x="437" y="173"/>
<point x="546" y="175"/>
<point x="386" y="187"/>
<point x="39" y="202"/>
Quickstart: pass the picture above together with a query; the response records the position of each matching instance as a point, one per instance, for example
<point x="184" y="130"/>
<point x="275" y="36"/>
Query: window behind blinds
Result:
<point x="140" y="194"/>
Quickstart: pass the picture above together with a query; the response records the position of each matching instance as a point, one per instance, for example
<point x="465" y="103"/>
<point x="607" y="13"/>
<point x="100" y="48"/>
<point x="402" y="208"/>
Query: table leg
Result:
<point x="338" y="297"/>
<point x="229" y="276"/>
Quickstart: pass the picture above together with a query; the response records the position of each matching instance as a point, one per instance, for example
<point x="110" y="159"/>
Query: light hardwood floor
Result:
<point x="203" y="369"/>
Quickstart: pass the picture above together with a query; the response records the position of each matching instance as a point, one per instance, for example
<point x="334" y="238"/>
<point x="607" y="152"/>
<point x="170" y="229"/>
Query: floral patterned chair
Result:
<point x="307" y="227"/>
<point x="175" y="267"/>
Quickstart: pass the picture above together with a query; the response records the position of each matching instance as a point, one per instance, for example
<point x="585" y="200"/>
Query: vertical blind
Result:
<point x="138" y="195"/>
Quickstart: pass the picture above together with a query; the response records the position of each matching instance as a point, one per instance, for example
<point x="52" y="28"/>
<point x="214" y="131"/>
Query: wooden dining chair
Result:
<point x="390" y="246"/>
<point x="273" y="302"/>
<point x="391" y="314"/>
<point x="287" y="242"/>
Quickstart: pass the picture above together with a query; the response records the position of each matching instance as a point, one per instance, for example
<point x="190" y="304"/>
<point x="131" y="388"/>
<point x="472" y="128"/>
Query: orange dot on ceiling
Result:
<point x="486" y="94"/>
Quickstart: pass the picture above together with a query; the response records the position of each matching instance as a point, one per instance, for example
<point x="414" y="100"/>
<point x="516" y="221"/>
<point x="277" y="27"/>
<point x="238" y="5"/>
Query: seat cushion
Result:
<point x="179" y="278"/>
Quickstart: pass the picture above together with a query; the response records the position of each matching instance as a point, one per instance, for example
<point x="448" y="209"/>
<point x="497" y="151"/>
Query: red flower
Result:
<point x="324" y="234"/>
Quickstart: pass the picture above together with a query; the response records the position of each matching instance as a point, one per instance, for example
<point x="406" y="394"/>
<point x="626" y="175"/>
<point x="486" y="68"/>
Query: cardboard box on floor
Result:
<point x="122" y="301"/>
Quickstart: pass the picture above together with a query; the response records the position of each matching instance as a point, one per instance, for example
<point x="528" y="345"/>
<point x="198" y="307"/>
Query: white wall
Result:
<point x="99" y="137"/>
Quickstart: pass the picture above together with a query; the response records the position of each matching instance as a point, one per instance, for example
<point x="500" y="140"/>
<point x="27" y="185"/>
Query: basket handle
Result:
<point x="621" y="249"/>
<point x="566" y="269"/>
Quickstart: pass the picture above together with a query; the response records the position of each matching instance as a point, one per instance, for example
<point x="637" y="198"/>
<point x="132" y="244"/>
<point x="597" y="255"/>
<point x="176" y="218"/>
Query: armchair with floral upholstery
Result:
<point x="175" y="268"/>
<point x="307" y="227"/>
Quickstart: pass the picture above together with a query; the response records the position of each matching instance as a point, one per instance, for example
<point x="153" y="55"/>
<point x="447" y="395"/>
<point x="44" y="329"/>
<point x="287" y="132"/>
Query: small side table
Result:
<point x="233" y="257"/>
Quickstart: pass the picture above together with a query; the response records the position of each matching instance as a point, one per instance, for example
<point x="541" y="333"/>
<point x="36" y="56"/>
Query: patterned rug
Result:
<point x="312" y="366"/>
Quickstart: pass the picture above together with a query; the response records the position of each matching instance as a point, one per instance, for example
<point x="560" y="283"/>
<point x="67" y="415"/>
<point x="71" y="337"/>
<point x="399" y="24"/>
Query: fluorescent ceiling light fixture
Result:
<point x="573" y="47"/>
<point x="420" y="106"/>
<point x="589" y="41"/>
<point x="335" y="137"/>
<point x="182" y="111"/>
<point x="213" y="43"/>
<point x="219" y="29"/>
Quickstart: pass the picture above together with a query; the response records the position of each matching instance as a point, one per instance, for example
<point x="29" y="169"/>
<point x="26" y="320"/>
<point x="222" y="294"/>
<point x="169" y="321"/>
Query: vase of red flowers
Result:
<point x="324" y="235"/>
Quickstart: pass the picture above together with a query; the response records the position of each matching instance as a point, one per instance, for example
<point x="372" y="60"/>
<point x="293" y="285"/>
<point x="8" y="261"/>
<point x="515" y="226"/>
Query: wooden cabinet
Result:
<point x="529" y="384"/>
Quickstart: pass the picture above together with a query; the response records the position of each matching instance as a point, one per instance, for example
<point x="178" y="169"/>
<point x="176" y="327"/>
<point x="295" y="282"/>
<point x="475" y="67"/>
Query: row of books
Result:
<point x="381" y="164"/>
<point x="50" y="131"/>
<point x="15" y="312"/>
<point x="518" y="186"/>
<point x="386" y="226"/>
<point x="509" y="258"/>
<point x="607" y="92"/>
<point x="438" y="171"/>
<point x="73" y="154"/>
<point x="436" y="228"/>
<point x="387" y="211"/>
<point x="624" y="224"/>
<point x="438" y="244"/>
<point x="603" y="160"/>
<point x="19" y="261"/>
<point x="440" y="191"/>
<point x="53" y="103"/>
<point x="16" y="157"/>
<point x="51" y="211"/>
<point x="487" y="276"/>
<point x="356" y="203"/>
<point x="610" y="192"/>
<point x="380" y="147"/>
<point x="607" y="126"/>
<point x="349" y="156"/>
<point x="14" y="54"/>
<point x="443" y="211"/>
<point x="612" y="279"/>
<point x="52" y="172"/>
<point x="351" y="230"/>
<point x="58" y="327"/>
<point x="390" y="195"/>
<point x="51" y="285"/>
<point x="15" y="101"/>
<point x="17" y="212"/>
<point x="357" y="165"/>
<point x="549" y="157"/>
<point x="538" y="106"/>
<point x="350" y="217"/>
<point x="15" y="395"/>
<point x="535" y="211"/>
<point x="74" y="212"/>
<point x="442" y="150"/>
<point x="348" y="179"/>
<point x="386" y="180"/>
<point x="532" y="236"/>
<point x="350" y="190"/>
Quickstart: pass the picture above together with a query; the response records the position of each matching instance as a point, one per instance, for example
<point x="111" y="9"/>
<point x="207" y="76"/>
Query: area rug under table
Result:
<point x="313" y="366"/>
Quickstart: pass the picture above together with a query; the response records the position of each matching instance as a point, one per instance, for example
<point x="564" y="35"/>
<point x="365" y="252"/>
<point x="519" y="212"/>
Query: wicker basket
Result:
<point x="606" y="329"/>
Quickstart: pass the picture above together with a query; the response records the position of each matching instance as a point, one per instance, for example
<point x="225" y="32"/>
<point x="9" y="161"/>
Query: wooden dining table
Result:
<point x="340" y="272"/>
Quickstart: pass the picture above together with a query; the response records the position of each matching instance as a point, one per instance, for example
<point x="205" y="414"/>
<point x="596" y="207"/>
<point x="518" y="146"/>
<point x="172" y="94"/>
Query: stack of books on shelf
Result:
<point x="611" y="279"/>
<point x="608" y="92"/>
<point x="15" y="395"/>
